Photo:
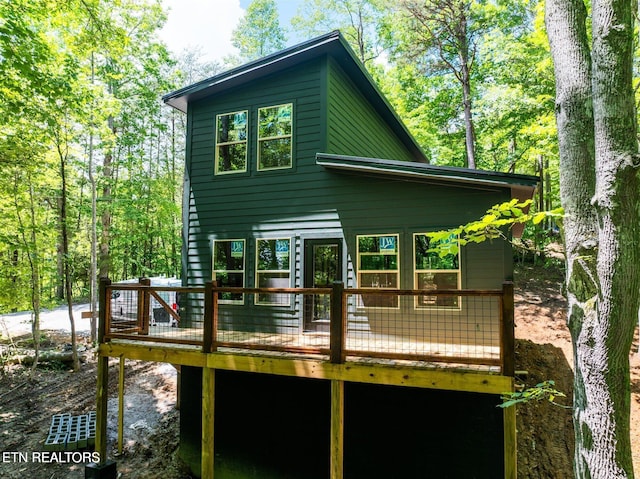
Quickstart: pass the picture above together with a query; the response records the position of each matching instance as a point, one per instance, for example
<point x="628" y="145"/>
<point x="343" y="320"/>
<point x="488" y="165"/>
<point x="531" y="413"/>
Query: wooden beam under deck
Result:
<point x="373" y="373"/>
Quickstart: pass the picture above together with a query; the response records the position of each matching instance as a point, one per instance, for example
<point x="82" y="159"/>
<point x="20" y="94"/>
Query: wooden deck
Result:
<point x="481" y="364"/>
<point x="470" y="338"/>
<point x="367" y="347"/>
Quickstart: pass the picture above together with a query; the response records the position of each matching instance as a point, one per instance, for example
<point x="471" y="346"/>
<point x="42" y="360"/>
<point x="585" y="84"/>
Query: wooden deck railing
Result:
<point x="474" y="327"/>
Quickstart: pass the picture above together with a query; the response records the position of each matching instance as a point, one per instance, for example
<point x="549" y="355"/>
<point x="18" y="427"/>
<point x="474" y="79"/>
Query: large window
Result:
<point x="231" y="143"/>
<point x="433" y="272"/>
<point x="273" y="269"/>
<point x="275" y="137"/>
<point x="378" y="267"/>
<point x="228" y="267"/>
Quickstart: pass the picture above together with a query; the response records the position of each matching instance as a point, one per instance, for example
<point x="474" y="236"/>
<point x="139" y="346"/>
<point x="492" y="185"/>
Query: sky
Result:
<point x="209" y="23"/>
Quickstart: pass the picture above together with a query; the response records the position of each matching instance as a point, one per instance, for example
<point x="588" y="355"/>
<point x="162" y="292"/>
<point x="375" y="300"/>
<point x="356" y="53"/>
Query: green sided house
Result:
<point x="300" y="179"/>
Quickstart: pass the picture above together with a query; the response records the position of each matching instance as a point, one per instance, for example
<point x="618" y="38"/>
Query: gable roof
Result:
<point x="332" y="44"/>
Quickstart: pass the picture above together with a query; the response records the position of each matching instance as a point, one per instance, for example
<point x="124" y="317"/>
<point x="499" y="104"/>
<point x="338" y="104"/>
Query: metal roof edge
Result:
<point x="421" y="170"/>
<point x="177" y="98"/>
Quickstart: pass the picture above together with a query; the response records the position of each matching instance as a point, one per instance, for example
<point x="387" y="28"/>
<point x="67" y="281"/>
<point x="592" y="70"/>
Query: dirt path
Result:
<point x="28" y="402"/>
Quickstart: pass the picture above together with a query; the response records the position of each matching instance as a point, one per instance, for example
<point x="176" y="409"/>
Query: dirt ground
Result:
<point x="27" y="402"/>
<point x="543" y="350"/>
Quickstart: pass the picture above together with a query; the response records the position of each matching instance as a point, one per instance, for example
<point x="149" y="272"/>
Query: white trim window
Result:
<point x="231" y="142"/>
<point x="433" y="271"/>
<point x="273" y="270"/>
<point x="228" y="268"/>
<point x="275" y="137"/>
<point x="378" y="267"/>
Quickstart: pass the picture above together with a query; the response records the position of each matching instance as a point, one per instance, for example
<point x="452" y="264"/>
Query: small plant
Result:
<point x="544" y="390"/>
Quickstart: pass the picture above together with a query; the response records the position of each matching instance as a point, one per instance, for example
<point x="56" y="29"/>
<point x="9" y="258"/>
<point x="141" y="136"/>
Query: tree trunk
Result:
<point x="93" y="273"/>
<point x="599" y="192"/>
<point x="465" y="80"/>
<point x="34" y="261"/>
<point x="65" y="248"/>
<point x="470" y="136"/>
<point x="107" y="174"/>
<point x="33" y="256"/>
<point x="605" y="354"/>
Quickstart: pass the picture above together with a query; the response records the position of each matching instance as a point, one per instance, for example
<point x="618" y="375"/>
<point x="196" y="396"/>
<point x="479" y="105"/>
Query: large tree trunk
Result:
<point x="599" y="192"/>
<point x="617" y="198"/>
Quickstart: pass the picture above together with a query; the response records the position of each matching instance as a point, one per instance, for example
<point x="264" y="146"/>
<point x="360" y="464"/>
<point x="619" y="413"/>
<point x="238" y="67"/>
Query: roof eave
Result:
<point x="427" y="172"/>
<point x="180" y="98"/>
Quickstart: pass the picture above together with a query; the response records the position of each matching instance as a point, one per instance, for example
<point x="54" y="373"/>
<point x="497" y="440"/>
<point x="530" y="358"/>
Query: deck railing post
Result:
<point x="337" y="324"/>
<point x="507" y="349"/>
<point x="104" y="308"/>
<point x="210" y="327"/>
<point x="143" y="306"/>
<point x="102" y="395"/>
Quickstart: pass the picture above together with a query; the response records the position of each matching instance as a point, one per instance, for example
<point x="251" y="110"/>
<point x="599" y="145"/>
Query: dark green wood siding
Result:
<point x="354" y="127"/>
<point x="309" y="201"/>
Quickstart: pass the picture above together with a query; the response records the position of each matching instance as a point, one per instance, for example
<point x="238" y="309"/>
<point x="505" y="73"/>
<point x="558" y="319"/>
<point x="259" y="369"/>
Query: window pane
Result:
<point x="232" y="157"/>
<point x="378" y="280"/>
<point x="275" y="153"/>
<point x="228" y="255"/>
<point x="228" y="267"/>
<point x="426" y="259"/>
<point x="378" y="244"/>
<point x="379" y="262"/>
<point x="274" y="121"/>
<point x="377" y="254"/>
<point x="232" y="127"/>
<point x="273" y="254"/>
<point x="230" y="280"/>
<point x="273" y="280"/>
<point x="435" y="281"/>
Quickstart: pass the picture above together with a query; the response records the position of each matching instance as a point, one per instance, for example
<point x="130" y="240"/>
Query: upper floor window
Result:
<point x="228" y="267"/>
<point x="275" y="128"/>
<point x="433" y="272"/>
<point x="231" y="143"/>
<point x="378" y="267"/>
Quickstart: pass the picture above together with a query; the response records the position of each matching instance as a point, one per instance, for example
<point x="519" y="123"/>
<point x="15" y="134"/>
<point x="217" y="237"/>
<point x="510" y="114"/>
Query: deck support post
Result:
<point x="337" y="429"/>
<point x="507" y="350"/>
<point x="337" y="324"/>
<point x="121" y="406"/>
<point x="510" y="443"/>
<point x="508" y="330"/>
<point x="102" y="395"/>
<point x="208" y="410"/>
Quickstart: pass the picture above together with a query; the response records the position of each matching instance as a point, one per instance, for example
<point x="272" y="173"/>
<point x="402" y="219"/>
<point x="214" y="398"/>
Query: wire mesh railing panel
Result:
<point x="124" y="311"/>
<point x="277" y="320"/>
<point x="462" y="329"/>
<point x="461" y="326"/>
<point x="148" y="313"/>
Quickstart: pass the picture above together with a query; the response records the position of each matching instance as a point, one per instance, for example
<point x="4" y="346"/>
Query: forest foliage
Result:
<point x="80" y="102"/>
